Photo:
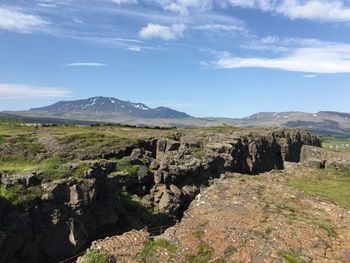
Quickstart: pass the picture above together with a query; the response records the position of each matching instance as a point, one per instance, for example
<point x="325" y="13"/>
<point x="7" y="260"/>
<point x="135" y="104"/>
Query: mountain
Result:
<point x="323" y="122"/>
<point x="107" y="107"/>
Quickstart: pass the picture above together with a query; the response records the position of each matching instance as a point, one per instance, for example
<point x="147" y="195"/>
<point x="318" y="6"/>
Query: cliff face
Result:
<point x="163" y="174"/>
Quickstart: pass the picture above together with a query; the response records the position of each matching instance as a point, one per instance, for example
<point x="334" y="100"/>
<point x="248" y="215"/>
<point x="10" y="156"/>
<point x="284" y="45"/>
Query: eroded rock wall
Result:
<point x="170" y="173"/>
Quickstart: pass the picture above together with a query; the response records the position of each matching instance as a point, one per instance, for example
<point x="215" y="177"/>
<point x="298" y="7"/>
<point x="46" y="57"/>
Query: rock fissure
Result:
<point x="152" y="185"/>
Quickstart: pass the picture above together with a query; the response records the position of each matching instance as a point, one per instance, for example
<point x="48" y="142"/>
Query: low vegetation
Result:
<point x="198" y="152"/>
<point x="204" y="254"/>
<point x="22" y="148"/>
<point x="340" y="144"/>
<point x="19" y="196"/>
<point x="94" y="256"/>
<point x="124" y="165"/>
<point x="151" y="250"/>
<point x="289" y="257"/>
<point x="332" y="184"/>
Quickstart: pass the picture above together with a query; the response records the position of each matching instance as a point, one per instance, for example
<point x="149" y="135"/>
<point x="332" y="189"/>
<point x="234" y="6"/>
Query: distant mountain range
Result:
<point x="108" y="109"/>
<point x="108" y="106"/>
<point x="324" y="122"/>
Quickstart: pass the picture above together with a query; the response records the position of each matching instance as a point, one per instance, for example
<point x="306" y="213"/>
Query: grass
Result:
<point x="269" y="230"/>
<point x="332" y="184"/>
<point x="152" y="248"/>
<point x="328" y="228"/>
<point x="78" y="141"/>
<point x="17" y="164"/>
<point x="124" y="166"/>
<point x="94" y="256"/>
<point x="340" y="144"/>
<point x="198" y="152"/>
<point x="204" y="254"/>
<point x="50" y="169"/>
<point x="290" y="257"/>
<point x="19" y="196"/>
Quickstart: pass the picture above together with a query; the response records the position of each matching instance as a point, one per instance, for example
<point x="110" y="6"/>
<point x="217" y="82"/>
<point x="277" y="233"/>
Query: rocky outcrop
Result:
<point x="240" y="219"/>
<point x="61" y="222"/>
<point x="124" y="248"/>
<point x="165" y="174"/>
<point x="322" y="158"/>
<point x="27" y="179"/>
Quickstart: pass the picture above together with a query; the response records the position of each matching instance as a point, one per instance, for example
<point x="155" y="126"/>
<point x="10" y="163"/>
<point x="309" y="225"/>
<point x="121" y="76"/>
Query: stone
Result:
<point x="190" y="190"/>
<point x="175" y="190"/>
<point x="315" y="163"/>
<point x="26" y="179"/>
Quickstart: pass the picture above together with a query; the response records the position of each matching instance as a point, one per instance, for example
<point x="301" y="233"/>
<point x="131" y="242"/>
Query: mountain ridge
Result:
<point x="110" y="105"/>
<point x="113" y="110"/>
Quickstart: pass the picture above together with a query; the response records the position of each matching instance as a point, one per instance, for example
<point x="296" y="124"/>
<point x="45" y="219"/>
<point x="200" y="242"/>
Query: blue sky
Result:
<point x="227" y="58"/>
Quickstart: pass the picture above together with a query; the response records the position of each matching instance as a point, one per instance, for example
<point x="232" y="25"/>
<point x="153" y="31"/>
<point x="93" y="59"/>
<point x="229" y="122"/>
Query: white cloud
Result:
<point x="122" y="2"/>
<point x="182" y="6"/>
<point x="309" y="76"/>
<point x="164" y="32"/>
<point x="222" y="27"/>
<point x="12" y="19"/>
<point x="85" y="64"/>
<point x="316" y="9"/>
<point x="134" y="48"/>
<point x="316" y="57"/>
<point x="321" y="10"/>
<point x="14" y="91"/>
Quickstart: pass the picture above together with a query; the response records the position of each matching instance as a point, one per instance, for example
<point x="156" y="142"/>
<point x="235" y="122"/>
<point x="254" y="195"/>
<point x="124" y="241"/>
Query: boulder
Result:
<point x="166" y="145"/>
<point x="169" y="203"/>
<point x="82" y="194"/>
<point x="190" y="191"/>
<point x="25" y="179"/>
<point x="141" y="157"/>
<point x="315" y="163"/>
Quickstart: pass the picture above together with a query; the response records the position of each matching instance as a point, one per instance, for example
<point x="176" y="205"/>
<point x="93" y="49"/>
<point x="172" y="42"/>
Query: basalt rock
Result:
<point x="27" y="179"/>
<point x="323" y="158"/>
<point x="61" y="223"/>
<point x="170" y="173"/>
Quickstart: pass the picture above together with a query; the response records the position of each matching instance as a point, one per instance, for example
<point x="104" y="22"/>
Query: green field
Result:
<point x="340" y="144"/>
<point x="331" y="184"/>
<point x="28" y="148"/>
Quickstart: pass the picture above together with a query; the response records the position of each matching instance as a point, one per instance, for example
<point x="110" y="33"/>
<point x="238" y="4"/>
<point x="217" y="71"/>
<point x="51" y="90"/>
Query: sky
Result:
<point x="222" y="58"/>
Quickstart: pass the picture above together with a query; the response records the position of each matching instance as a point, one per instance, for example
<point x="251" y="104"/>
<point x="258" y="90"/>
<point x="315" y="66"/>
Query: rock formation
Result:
<point x="165" y="174"/>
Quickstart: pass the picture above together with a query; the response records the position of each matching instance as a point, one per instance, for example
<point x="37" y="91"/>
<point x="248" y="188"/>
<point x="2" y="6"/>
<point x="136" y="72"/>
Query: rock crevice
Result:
<point x="163" y="174"/>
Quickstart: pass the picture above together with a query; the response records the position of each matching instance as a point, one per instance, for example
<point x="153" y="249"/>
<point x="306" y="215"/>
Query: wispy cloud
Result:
<point x="14" y="19"/>
<point x="134" y="48"/>
<point x="309" y="76"/>
<point x="85" y="64"/>
<point x="299" y="55"/>
<point x="321" y="10"/>
<point x="164" y="32"/>
<point x="329" y="58"/>
<point x="123" y="2"/>
<point x="17" y="91"/>
<point x="183" y="7"/>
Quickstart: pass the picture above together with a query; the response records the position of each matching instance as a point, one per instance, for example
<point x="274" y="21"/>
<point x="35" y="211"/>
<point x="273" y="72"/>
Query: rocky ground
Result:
<point x="242" y="218"/>
<point x="261" y="219"/>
